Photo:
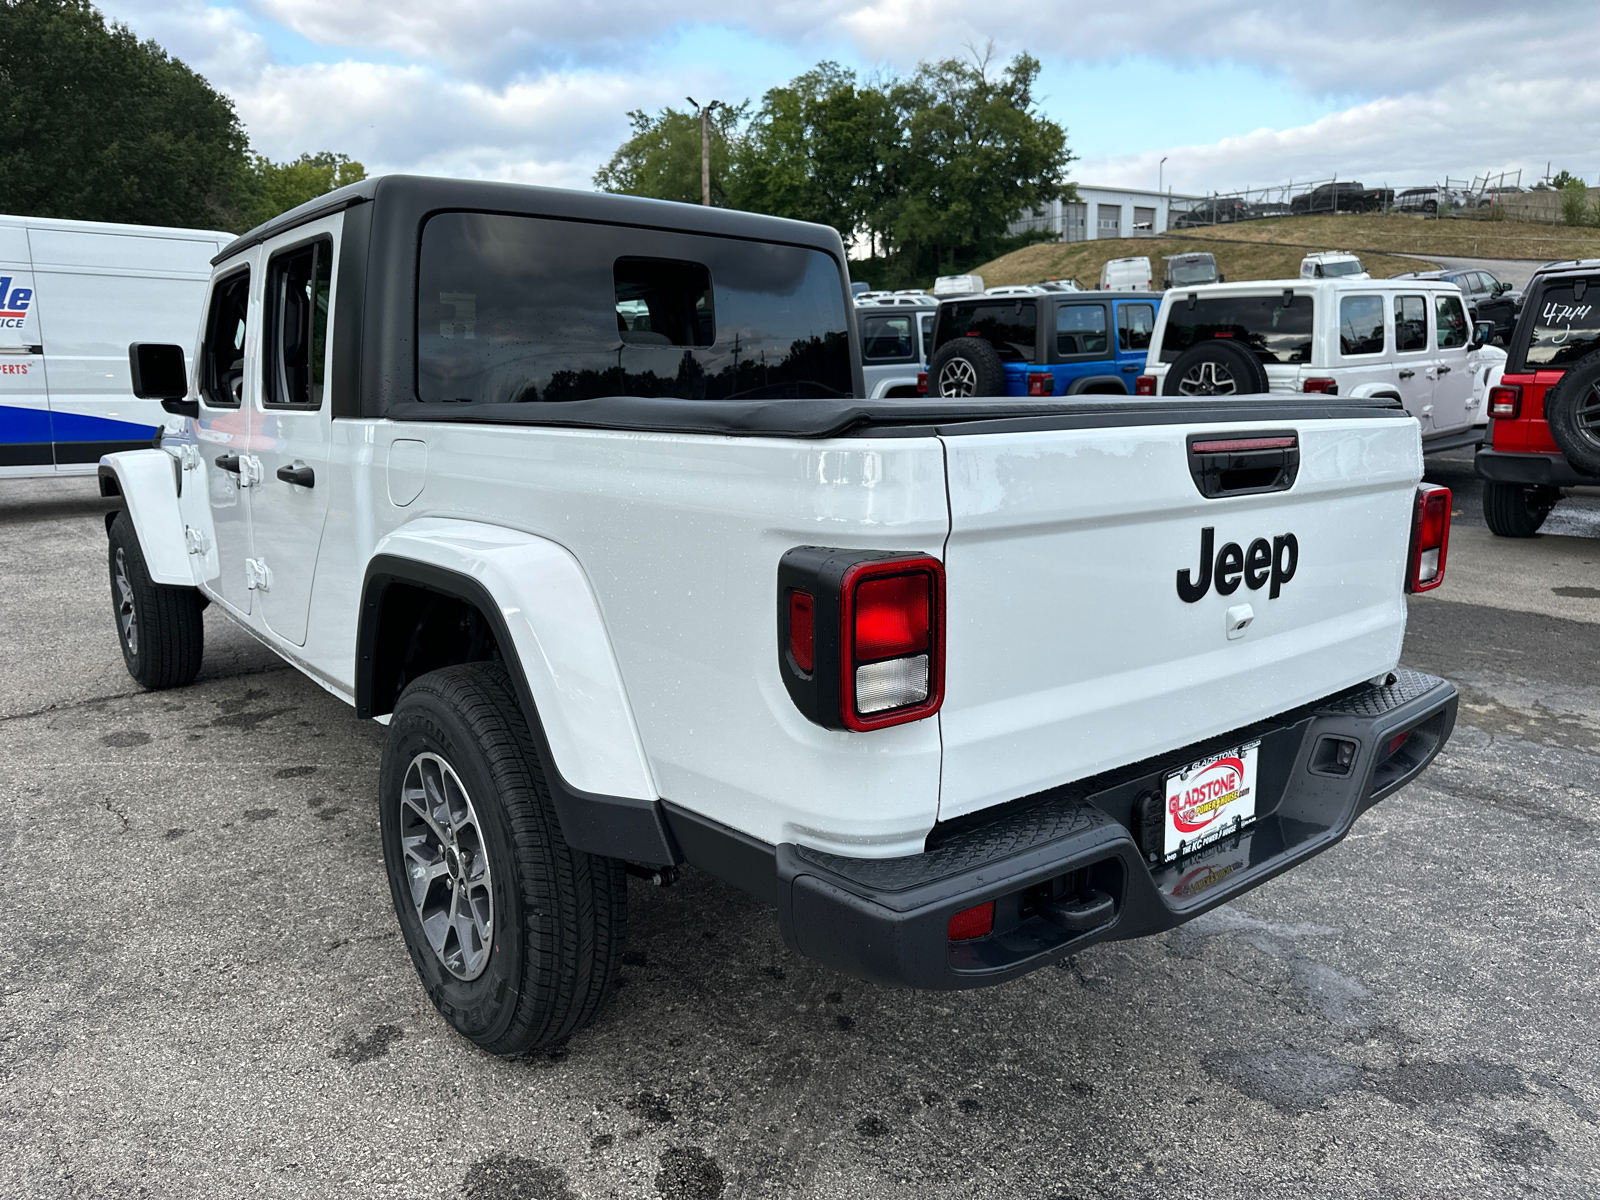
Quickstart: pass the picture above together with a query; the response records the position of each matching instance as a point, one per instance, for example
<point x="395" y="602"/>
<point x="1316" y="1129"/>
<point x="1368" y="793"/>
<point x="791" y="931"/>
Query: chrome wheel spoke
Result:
<point x="127" y="615"/>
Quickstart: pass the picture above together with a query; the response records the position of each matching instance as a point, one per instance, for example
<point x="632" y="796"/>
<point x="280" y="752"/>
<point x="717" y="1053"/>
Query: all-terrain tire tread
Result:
<point x="1510" y="511"/>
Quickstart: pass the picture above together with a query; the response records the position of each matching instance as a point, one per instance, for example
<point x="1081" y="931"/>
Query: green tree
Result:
<point x="277" y="187"/>
<point x="1575" y="208"/>
<point x="96" y="125"/>
<point x="976" y="154"/>
<point x="1564" y="178"/>
<point x="816" y="150"/>
<point x="662" y="158"/>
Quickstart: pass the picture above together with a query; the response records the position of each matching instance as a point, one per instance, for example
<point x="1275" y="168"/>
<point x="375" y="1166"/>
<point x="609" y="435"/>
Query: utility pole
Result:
<point x="705" y="148"/>
<point x="1161" y="171"/>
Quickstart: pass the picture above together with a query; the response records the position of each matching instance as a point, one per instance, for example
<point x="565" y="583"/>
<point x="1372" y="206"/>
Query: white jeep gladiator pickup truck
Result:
<point x="582" y="496"/>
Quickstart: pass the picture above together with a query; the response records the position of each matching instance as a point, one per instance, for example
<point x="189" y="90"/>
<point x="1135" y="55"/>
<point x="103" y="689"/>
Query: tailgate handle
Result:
<point x="1244" y="464"/>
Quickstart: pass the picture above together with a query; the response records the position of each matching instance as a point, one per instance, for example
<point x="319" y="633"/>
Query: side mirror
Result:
<point x="1482" y="332"/>
<point x="1221" y="278"/>
<point x="1166" y="283"/>
<point x="158" y="373"/>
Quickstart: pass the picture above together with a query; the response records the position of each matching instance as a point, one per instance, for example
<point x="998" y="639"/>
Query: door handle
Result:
<point x="298" y="473"/>
<point x="1444" y="370"/>
<point x="1131" y="367"/>
<point x="228" y="462"/>
<point x="1407" y="374"/>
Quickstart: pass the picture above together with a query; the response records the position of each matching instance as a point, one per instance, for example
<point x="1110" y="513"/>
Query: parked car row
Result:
<point x="1410" y="341"/>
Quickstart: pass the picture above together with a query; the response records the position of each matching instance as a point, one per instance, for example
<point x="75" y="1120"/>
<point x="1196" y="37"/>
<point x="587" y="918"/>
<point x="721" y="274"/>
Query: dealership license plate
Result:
<point x="1210" y="799"/>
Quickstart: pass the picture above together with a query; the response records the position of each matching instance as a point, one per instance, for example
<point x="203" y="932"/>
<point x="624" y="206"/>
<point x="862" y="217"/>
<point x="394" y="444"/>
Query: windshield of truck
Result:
<point x="1566" y="325"/>
<point x="1276" y="332"/>
<point x="1331" y="270"/>
<point x="1007" y="325"/>
<point x="1191" y="274"/>
<point x="517" y="309"/>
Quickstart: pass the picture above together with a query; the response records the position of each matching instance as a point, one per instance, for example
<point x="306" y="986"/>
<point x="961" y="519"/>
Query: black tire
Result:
<point x="1215" y="368"/>
<point x="1516" y="510"/>
<point x="1572" y="407"/>
<point x="966" y="366"/>
<point x="558" y="916"/>
<point x="160" y="629"/>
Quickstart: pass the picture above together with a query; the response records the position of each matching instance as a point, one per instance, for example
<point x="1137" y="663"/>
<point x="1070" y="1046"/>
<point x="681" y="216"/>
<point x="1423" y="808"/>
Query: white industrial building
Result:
<point x="1104" y="212"/>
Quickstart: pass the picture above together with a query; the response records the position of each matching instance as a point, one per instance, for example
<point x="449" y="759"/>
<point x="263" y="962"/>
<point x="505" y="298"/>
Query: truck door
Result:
<point x="290" y="502"/>
<point x="1413" y="358"/>
<point x="1452" y="388"/>
<point x="1136" y="321"/>
<point x="220" y="470"/>
<point x="1083" y="345"/>
<point x="24" y="399"/>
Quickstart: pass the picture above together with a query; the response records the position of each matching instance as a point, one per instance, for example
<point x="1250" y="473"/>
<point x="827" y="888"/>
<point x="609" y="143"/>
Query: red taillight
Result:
<point x="922" y="383"/>
<point x="892" y="668"/>
<point x="892" y="616"/>
<point x="1145" y="385"/>
<point x="1328" y="387"/>
<point x="974" y="922"/>
<point x="802" y="638"/>
<point x="1430" y="539"/>
<point x="1505" y="401"/>
<point x="1395" y="743"/>
<point x="1041" y="383"/>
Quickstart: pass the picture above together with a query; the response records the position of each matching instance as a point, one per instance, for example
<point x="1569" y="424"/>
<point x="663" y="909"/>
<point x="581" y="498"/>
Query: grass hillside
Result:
<point x="1273" y="248"/>
<point x="1237" y="260"/>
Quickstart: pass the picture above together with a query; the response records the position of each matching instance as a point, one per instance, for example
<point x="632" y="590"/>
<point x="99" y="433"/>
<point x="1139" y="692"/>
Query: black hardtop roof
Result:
<point x="1568" y="269"/>
<point x="435" y="193"/>
<point x="1064" y="297"/>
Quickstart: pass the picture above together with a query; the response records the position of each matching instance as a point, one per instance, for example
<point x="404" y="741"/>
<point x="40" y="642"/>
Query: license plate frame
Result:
<point x="1209" y="799"/>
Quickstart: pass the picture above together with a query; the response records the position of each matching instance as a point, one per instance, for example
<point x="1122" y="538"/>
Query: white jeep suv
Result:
<point x="1405" y="339"/>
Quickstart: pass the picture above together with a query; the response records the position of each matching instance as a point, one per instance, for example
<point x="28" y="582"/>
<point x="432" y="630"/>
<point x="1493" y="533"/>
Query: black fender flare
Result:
<point x="1097" y="382"/>
<point x="613" y="826"/>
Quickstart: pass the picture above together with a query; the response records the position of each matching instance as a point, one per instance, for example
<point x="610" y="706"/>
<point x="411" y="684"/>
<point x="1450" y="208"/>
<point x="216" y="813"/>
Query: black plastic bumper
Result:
<point x="1548" y="470"/>
<point x="887" y="920"/>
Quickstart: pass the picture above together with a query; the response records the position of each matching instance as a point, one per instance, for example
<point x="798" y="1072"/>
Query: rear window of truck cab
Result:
<point x="1007" y="325"/>
<point x="515" y="309"/>
<point x="1565" y="327"/>
<point x="1275" y="330"/>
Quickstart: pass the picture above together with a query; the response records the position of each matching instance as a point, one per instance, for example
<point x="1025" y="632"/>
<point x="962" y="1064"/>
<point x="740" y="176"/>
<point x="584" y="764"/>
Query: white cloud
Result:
<point x="537" y="89"/>
<point x="1408" y="140"/>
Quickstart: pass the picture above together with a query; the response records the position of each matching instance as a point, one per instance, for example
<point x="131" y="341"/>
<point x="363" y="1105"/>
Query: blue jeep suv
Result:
<point x="1048" y="344"/>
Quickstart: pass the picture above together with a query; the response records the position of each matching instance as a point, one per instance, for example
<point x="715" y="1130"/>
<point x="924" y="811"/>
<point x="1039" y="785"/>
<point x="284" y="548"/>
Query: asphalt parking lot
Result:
<point x="205" y="993"/>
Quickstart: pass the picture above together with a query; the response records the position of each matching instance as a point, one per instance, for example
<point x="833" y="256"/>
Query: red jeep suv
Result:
<point x="1544" y="426"/>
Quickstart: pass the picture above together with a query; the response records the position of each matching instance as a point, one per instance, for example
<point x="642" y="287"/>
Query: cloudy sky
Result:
<point x="1232" y="94"/>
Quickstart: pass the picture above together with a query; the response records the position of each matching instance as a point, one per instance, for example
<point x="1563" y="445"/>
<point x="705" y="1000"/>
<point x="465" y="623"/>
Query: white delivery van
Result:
<point x="1332" y="264"/>
<point x="958" y="285"/>
<point x="73" y="295"/>
<point x="1126" y="275"/>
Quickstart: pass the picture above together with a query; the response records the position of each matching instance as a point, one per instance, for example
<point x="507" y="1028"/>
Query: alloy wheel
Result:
<point x="447" y="866"/>
<point x="1208" y="379"/>
<point x="958" y="378"/>
<point x="127" y="615"/>
<point x="1587" y="417"/>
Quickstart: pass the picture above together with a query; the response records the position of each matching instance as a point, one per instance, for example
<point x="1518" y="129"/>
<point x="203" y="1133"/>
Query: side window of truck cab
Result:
<point x="296" y="339"/>
<point x="222" y="355"/>
<point x="1081" y="331"/>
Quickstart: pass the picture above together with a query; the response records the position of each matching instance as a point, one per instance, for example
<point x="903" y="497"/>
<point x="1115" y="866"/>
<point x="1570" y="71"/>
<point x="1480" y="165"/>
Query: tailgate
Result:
<point x="1070" y="650"/>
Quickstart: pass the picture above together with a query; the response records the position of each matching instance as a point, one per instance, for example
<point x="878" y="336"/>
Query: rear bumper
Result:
<point x="886" y="920"/>
<point x="1548" y="470"/>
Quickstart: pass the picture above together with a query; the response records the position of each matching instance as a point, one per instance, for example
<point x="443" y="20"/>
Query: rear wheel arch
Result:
<point x="418" y="618"/>
<point x="1097" y="385"/>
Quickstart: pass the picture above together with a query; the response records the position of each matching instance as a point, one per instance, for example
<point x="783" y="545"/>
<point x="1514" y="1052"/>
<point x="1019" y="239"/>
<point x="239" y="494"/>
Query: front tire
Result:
<point x="516" y="936"/>
<point x="159" y="628"/>
<point x="1516" y="510"/>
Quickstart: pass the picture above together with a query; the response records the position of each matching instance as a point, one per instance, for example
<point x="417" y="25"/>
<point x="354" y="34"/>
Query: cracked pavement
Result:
<point x="204" y="993"/>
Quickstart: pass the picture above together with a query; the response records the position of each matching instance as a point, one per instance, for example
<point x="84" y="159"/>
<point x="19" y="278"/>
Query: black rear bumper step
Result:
<point x="1547" y="470"/>
<point x="1050" y="862"/>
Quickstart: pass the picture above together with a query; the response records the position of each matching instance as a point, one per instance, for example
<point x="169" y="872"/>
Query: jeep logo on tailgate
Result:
<point x="1255" y="567"/>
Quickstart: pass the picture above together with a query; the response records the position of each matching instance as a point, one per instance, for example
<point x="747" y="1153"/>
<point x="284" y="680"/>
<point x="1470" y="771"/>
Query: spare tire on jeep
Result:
<point x="1216" y="368"/>
<point x="967" y="366"/>
<point x="1572" y="407"/>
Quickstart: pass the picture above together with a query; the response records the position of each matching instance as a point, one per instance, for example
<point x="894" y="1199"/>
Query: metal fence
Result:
<point x="1335" y="195"/>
